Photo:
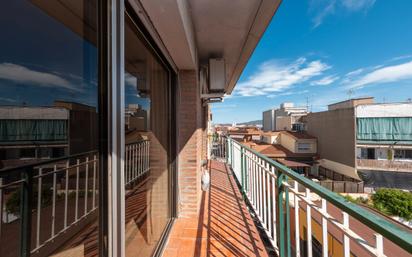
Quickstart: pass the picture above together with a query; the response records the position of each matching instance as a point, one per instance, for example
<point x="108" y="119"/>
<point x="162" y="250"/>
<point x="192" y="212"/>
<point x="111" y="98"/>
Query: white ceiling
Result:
<point x="193" y="31"/>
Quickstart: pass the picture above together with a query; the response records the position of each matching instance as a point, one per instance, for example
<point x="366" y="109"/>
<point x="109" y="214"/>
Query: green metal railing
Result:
<point x="269" y="187"/>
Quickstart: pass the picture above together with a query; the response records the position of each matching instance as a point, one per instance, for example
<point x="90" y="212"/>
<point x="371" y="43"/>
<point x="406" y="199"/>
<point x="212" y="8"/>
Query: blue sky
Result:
<point x="316" y="52"/>
<point x="42" y="60"/>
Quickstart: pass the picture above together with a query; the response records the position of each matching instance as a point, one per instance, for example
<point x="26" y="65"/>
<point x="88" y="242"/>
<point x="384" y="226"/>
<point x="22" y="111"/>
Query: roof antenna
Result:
<point x="350" y="93"/>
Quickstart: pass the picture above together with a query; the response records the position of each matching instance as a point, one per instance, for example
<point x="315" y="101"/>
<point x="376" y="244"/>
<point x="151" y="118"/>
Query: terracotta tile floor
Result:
<point x="224" y="226"/>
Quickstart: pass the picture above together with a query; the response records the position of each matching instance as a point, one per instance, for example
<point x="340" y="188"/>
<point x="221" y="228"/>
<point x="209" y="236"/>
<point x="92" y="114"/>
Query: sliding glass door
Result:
<point x="61" y="127"/>
<point x="49" y="136"/>
<point x="147" y="144"/>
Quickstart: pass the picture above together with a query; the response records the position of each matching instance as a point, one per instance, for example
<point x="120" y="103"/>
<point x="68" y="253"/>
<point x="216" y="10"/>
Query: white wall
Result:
<point x="384" y="110"/>
<point x="270" y="139"/>
<point x="339" y="168"/>
<point x="268" y="120"/>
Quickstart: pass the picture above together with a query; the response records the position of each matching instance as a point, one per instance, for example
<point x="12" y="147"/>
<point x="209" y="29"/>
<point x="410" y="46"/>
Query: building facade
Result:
<point x="384" y="144"/>
<point x="364" y="140"/>
<point x="286" y="117"/>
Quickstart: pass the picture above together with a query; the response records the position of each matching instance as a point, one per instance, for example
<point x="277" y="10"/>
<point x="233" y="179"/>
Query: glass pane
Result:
<point x="49" y="113"/>
<point x="147" y="145"/>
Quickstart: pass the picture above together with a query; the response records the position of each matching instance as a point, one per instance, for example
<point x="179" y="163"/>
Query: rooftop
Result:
<point x="272" y="150"/>
<point x="295" y="134"/>
<point x="298" y="135"/>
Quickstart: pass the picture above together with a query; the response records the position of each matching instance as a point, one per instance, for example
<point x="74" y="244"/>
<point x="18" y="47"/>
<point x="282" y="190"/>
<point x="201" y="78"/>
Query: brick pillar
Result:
<point x="189" y="125"/>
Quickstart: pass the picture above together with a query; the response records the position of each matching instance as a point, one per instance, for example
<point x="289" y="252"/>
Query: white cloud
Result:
<point x="402" y="57"/>
<point x="5" y="99"/>
<point x="326" y="9"/>
<point x="289" y="93"/>
<point x="356" y="5"/>
<point x="17" y="73"/>
<point x="223" y="106"/>
<point x="273" y="76"/>
<point x="320" y="9"/>
<point x="354" y="72"/>
<point x="381" y="75"/>
<point x="130" y="80"/>
<point x="325" y="81"/>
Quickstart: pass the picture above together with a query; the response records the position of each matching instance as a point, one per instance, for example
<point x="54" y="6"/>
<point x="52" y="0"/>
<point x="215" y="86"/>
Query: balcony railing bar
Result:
<point x="16" y="182"/>
<point x="85" y="163"/>
<point x="77" y="219"/>
<point x="327" y="217"/>
<point x="253" y="170"/>
<point x="324" y="224"/>
<point x="39" y="194"/>
<point x="44" y="163"/>
<point x="54" y="201"/>
<point x="136" y="162"/>
<point x="297" y="227"/>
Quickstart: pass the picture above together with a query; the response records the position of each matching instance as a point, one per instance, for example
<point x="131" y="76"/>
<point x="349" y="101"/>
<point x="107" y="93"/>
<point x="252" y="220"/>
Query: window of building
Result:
<point x="403" y="154"/>
<point x="3" y="154"/>
<point x="27" y="153"/>
<point x="44" y="153"/>
<point x="304" y="146"/>
<point x="368" y="153"/>
<point x="298" y="127"/>
<point x="58" y="152"/>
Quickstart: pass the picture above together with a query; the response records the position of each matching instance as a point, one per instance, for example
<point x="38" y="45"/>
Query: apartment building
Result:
<point x="360" y="139"/>
<point x="286" y="117"/>
<point x="31" y="134"/>
<point x="384" y="144"/>
<point x="296" y="150"/>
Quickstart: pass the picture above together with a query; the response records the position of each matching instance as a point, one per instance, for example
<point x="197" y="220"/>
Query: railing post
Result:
<point x="281" y="216"/>
<point x="25" y="210"/>
<point x="246" y="165"/>
<point x="231" y="152"/>
<point x="227" y="150"/>
<point x="287" y="214"/>
<point x="1" y="207"/>
<point x="242" y="169"/>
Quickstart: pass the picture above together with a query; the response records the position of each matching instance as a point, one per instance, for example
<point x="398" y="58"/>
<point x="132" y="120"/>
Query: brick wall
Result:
<point x="189" y="125"/>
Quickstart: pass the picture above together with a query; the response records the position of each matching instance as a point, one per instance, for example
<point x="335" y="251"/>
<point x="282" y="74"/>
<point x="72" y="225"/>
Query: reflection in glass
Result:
<point x="147" y="145"/>
<point x="48" y="113"/>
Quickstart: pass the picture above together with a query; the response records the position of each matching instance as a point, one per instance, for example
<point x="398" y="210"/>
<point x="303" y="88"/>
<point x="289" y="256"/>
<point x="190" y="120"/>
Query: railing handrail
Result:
<point x="136" y="142"/>
<point x="53" y="160"/>
<point x="45" y="162"/>
<point x="387" y="229"/>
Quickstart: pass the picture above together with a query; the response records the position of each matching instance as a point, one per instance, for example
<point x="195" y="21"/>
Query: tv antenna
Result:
<point x="350" y="93"/>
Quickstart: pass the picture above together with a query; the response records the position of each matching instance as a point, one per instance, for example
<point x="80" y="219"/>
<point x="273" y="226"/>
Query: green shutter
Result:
<point x="33" y="130"/>
<point x="384" y="129"/>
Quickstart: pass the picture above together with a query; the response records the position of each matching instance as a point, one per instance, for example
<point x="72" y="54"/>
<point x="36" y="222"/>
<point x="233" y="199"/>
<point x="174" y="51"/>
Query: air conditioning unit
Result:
<point x="217" y="76"/>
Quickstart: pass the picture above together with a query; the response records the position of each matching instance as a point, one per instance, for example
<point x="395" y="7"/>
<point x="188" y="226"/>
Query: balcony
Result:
<point x="254" y="207"/>
<point x="224" y="226"/>
<point x="385" y="165"/>
<point x="316" y="222"/>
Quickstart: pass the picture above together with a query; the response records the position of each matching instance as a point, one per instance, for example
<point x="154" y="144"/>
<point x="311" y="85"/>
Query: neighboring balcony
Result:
<point x="384" y="165"/>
